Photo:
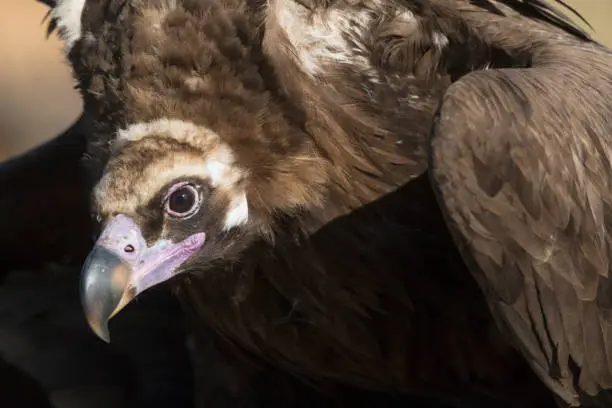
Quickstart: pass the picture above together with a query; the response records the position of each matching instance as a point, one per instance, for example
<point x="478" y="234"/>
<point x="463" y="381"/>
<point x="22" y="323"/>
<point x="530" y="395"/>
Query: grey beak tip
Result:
<point x="100" y="292"/>
<point x="105" y="336"/>
<point x="101" y="331"/>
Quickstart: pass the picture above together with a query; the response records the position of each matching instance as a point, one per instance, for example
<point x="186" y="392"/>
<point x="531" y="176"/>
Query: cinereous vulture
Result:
<point x="297" y="166"/>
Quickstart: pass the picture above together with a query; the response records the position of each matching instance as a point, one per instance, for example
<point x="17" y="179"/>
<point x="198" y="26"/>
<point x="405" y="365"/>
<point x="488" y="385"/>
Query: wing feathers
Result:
<point x="520" y="159"/>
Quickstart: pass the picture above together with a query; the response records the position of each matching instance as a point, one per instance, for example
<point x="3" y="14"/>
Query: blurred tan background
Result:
<point x="37" y="99"/>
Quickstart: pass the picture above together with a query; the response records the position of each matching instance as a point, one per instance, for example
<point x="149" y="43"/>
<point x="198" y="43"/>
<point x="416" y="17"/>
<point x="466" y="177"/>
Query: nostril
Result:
<point x="129" y="248"/>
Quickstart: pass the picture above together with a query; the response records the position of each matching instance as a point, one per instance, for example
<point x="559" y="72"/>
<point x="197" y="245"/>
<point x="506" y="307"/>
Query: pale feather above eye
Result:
<point x="215" y="163"/>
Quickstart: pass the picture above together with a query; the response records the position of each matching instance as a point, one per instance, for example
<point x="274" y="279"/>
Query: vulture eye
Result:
<point x="182" y="201"/>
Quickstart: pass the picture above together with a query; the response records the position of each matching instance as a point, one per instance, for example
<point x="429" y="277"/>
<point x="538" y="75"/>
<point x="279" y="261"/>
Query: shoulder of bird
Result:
<point x="296" y="135"/>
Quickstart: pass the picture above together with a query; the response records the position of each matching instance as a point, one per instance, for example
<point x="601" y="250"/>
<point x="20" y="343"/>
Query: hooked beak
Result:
<point x="121" y="266"/>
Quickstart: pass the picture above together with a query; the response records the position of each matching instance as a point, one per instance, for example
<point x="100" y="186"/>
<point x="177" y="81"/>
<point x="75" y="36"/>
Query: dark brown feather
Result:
<point x="34" y="235"/>
<point x="522" y="162"/>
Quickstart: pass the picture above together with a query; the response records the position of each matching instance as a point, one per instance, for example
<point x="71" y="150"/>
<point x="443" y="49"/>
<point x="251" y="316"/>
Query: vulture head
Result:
<point x="202" y="156"/>
<point x="173" y="197"/>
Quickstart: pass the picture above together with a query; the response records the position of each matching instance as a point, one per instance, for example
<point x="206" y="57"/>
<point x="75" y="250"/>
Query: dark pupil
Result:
<point x="182" y="200"/>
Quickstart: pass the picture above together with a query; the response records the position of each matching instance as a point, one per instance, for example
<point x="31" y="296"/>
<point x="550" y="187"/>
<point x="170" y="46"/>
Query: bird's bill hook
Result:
<point x="122" y="265"/>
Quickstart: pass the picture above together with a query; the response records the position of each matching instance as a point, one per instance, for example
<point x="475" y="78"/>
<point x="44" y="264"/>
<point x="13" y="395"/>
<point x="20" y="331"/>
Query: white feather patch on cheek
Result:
<point x="67" y="14"/>
<point x="238" y="212"/>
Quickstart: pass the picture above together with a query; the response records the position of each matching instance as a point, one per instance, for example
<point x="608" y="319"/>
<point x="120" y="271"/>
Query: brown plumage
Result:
<point x="530" y="202"/>
<point x="302" y="131"/>
<point x="53" y="173"/>
<point x="19" y="389"/>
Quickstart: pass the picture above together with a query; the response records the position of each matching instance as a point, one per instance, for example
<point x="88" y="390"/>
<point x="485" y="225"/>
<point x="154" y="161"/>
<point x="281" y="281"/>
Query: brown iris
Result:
<point x="183" y="201"/>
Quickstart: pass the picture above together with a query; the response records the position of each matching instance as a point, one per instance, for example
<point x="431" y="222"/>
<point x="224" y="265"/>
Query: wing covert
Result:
<point x="521" y="162"/>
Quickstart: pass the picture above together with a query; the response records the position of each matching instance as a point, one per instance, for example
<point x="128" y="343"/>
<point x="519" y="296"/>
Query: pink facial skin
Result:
<point x="150" y="265"/>
<point x="121" y="266"/>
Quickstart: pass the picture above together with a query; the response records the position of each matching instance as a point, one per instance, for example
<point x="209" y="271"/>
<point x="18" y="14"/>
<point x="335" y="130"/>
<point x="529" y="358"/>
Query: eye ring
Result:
<point x="182" y="200"/>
